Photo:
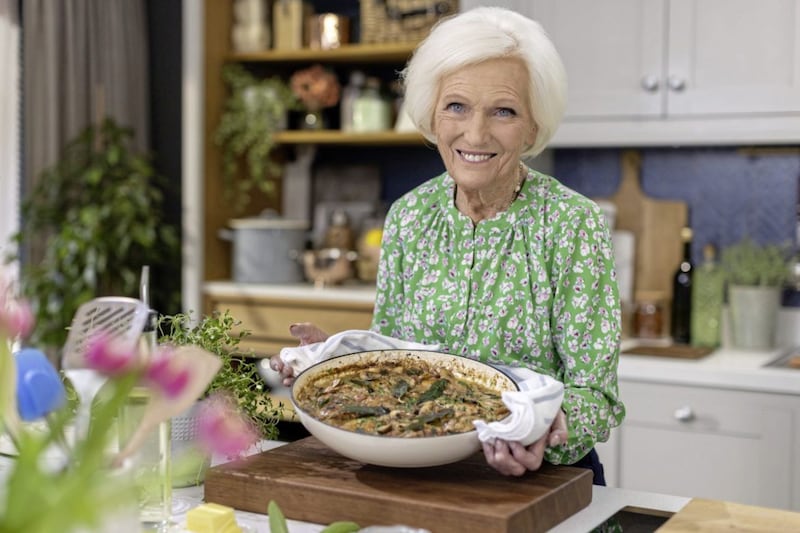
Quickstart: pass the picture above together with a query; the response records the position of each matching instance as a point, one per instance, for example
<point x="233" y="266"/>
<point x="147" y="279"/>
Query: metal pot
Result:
<point x="266" y="250"/>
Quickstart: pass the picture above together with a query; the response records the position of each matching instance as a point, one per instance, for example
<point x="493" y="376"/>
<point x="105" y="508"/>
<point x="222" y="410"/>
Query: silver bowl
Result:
<point x="407" y="452"/>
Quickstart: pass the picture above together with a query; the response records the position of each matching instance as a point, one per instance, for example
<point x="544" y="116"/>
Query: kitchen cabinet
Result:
<point x="706" y="442"/>
<point x="267" y="311"/>
<point x="667" y="72"/>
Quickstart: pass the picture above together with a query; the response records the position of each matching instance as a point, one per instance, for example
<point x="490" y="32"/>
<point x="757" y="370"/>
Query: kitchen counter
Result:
<point x="726" y="368"/>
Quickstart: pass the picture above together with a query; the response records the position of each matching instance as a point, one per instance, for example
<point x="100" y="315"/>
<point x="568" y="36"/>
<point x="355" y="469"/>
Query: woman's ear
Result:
<point x="530" y="137"/>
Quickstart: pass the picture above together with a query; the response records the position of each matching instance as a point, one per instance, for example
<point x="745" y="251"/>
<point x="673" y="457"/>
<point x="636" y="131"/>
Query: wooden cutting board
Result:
<point x="310" y="482"/>
<point x="715" y="515"/>
<point x="656" y="225"/>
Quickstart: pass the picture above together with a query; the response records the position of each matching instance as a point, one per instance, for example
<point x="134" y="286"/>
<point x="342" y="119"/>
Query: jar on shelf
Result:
<point x="371" y="110"/>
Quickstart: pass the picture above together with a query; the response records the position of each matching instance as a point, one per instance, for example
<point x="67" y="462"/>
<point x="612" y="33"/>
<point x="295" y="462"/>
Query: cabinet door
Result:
<point x="733" y="56"/>
<point x="612" y="51"/>
<point x="688" y="441"/>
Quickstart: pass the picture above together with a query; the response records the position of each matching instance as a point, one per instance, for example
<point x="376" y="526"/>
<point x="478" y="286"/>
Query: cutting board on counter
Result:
<point x="715" y="515"/>
<point x="656" y="225"/>
<point x="312" y="483"/>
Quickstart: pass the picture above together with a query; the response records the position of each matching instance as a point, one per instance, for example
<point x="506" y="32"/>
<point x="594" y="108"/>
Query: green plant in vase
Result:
<point x="755" y="275"/>
<point x="97" y="216"/>
<point x="254" y="110"/>
<point x="237" y="379"/>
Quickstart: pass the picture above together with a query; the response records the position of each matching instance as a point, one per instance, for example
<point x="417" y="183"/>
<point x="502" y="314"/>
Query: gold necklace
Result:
<point x="522" y="175"/>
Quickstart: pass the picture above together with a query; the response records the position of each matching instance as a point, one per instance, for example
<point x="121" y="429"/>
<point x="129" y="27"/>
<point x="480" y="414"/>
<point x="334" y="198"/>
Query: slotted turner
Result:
<point x="122" y="318"/>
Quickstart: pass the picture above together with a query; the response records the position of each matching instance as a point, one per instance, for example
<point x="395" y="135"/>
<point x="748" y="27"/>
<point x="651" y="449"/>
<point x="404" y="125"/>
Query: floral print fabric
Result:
<point x="533" y="286"/>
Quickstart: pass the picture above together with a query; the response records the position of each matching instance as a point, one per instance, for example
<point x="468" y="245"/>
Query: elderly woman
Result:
<point x="493" y="260"/>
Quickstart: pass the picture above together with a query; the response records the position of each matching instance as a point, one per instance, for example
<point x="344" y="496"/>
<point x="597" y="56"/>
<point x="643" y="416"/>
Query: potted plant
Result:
<point x="99" y="212"/>
<point x="254" y="110"/>
<point x="755" y="275"/>
<point x="238" y="378"/>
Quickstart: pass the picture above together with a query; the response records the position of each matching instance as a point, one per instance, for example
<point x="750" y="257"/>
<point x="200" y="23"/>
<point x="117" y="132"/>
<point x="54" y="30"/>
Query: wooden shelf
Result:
<point x="352" y="53"/>
<point x="336" y="137"/>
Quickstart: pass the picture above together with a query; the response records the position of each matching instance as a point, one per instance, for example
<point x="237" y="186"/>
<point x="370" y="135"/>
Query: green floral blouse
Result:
<point x="534" y="286"/>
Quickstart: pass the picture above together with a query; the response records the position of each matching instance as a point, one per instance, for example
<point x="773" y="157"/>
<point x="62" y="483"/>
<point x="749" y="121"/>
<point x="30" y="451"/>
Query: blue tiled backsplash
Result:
<point x="731" y="193"/>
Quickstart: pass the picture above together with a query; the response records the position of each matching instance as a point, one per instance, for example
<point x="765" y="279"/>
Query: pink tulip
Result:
<point x="16" y="317"/>
<point x="109" y="356"/>
<point x="223" y="430"/>
<point x="166" y="373"/>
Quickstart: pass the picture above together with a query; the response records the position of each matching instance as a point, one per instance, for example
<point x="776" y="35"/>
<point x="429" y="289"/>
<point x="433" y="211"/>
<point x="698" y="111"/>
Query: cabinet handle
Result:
<point x="676" y="84"/>
<point x="684" y="414"/>
<point x="650" y="83"/>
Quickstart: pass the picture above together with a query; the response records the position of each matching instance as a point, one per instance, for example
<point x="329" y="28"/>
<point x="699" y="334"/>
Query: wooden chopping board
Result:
<point x="310" y="482"/>
<point x="656" y="225"/>
<point x="715" y="515"/>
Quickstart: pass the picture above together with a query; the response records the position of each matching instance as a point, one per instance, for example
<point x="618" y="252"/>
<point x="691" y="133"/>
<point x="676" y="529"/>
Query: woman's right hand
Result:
<point x="307" y="333"/>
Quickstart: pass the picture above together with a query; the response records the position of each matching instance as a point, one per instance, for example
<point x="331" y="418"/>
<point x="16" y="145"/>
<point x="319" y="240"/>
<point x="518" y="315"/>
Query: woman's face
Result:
<point x="482" y="123"/>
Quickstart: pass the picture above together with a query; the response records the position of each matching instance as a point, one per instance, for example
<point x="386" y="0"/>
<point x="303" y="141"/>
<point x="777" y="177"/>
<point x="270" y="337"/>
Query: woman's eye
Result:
<point x="455" y="107"/>
<point x="506" y="112"/>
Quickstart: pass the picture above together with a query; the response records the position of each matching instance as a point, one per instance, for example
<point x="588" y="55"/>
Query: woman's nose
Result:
<point x="476" y="128"/>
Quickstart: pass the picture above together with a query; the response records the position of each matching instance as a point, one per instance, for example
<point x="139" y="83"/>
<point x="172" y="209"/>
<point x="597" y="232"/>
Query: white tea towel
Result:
<point x="343" y="343"/>
<point x="533" y="408"/>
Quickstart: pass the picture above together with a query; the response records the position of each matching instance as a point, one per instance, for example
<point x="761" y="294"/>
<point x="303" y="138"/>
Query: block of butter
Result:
<point x="212" y="518"/>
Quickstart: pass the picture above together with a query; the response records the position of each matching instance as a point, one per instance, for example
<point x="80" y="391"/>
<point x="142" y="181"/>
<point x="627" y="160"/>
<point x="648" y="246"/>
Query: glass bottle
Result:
<point x="708" y="292"/>
<point x="371" y="111"/>
<point x="681" y="316"/>
<point x="349" y="95"/>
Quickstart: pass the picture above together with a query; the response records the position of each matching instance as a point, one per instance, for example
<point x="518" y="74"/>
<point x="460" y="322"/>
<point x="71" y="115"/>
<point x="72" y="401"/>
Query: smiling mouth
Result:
<point x="472" y="157"/>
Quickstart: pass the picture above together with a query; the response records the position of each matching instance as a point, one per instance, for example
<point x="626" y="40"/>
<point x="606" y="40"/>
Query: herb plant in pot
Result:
<point x="237" y="380"/>
<point x="254" y="110"/>
<point x="755" y="275"/>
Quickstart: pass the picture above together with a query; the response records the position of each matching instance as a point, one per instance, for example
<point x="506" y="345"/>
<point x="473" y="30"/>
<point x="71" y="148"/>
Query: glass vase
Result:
<point x="151" y="464"/>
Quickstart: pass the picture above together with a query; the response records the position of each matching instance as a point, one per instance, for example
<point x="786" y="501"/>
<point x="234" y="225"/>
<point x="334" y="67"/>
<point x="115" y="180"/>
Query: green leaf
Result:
<point x="277" y="522"/>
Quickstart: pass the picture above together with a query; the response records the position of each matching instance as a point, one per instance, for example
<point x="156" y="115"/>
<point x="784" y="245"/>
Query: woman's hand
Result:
<point x="307" y="333"/>
<point x="514" y="459"/>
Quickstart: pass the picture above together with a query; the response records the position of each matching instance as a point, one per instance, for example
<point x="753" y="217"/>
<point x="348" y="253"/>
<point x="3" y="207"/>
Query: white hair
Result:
<point x="478" y="35"/>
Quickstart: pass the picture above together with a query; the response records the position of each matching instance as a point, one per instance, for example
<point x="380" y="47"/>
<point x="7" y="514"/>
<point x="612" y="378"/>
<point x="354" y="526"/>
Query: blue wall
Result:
<point x="731" y="192"/>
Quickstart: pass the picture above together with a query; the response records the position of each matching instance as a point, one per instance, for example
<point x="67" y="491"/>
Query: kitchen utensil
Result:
<point x="399" y="451"/>
<point x="123" y="320"/>
<point x="315" y="484"/>
<point x="329" y="266"/>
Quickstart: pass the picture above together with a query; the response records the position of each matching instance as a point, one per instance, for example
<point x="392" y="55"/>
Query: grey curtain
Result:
<point x="82" y="60"/>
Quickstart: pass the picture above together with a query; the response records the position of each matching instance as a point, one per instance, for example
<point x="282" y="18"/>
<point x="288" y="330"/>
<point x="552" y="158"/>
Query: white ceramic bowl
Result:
<point x="409" y="452"/>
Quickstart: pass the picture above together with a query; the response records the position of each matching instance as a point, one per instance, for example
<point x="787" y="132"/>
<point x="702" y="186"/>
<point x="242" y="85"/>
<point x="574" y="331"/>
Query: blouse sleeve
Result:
<point x="389" y="283"/>
<point x="586" y="326"/>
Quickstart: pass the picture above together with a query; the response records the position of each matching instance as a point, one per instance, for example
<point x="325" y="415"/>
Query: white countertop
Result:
<point x="726" y="368"/>
<point x="356" y="292"/>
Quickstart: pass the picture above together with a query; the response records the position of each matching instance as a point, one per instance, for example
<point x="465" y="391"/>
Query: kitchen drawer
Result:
<point x="694" y="408"/>
<point x="268" y="319"/>
<point x="706" y="442"/>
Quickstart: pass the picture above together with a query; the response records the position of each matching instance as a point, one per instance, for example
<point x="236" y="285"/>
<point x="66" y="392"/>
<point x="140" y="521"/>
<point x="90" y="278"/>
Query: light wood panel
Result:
<point x="703" y="515"/>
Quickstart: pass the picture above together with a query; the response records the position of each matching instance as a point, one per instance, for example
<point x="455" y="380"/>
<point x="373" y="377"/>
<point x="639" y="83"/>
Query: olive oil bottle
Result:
<point x="708" y="292"/>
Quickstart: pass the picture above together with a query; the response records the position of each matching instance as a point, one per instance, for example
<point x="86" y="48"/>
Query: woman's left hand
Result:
<point x="514" y="459"/>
